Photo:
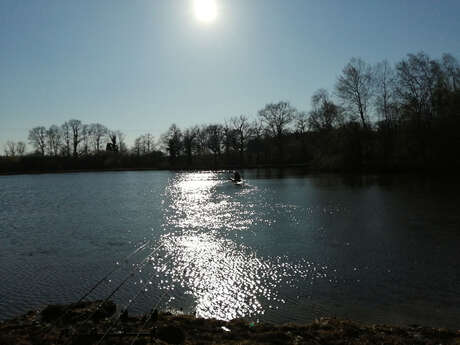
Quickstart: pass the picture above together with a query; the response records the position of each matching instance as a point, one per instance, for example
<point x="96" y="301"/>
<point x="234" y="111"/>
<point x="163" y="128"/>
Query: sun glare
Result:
<point x="205" y="10"/>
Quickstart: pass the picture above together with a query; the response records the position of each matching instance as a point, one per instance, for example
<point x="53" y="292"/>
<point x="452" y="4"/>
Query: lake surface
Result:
<point x="282" y="247"/>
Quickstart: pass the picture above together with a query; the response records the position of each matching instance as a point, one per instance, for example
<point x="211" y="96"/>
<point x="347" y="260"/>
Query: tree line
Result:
<point x="378" y="117"/>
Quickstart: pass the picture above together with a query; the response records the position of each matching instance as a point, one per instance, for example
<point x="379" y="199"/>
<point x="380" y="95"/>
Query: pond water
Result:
<point x="281" y="247"/>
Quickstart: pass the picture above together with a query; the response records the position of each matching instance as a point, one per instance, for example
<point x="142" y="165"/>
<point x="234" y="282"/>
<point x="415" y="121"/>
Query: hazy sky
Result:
<point x="139" y="66"/>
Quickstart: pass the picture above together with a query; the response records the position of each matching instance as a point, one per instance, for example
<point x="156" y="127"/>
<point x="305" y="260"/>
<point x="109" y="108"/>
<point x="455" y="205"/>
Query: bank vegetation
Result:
<point x="382" y="118"/>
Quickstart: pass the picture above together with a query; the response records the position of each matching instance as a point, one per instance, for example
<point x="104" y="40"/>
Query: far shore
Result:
<point x="306" y="169"/>
<point x="223" y="168"/>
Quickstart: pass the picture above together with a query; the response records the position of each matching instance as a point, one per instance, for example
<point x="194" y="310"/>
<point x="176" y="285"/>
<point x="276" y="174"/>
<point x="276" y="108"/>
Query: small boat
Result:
<point x="237" y="182"/>
<point x="237" y="179"/>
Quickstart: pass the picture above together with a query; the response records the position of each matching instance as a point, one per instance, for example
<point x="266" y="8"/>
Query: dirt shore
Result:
<point x="97" y="323"/>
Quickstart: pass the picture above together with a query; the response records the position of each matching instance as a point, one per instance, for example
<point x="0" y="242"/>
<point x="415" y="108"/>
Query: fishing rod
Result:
<point x="112" y="271"/>
<point x="149" y="318"/>
<point x="94" y="287"/>
<point x="131" y="301"/>
<point x="123" y="282"/>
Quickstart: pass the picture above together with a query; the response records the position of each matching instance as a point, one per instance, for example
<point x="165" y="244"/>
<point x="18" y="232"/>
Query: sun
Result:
<point x="205" y="10"/>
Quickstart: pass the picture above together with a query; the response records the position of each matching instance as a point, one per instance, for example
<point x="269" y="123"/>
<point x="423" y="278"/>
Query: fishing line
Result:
<point x="131" y="274"/>
<point x="67" y="308"/>
<point x="149" y="318"/>
<point x="112" y="271"/>
<point x="131" y="301"/>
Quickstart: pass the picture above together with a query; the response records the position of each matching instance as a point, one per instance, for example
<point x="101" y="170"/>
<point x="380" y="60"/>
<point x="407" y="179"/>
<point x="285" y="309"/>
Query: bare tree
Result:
<point x="76" y="128"/>
<point x="201" y="141"/>
<point x="121" y="141"/>
<point x="53" y="140"/>
<point x="189" y="142"/>
<point x="385" y="90"/>
<point x="257" y="128"/>
<point x="416" y="83"/>
<point x="10" y="149"/>
<point x="144" y="144"/>
<point x="86" y="134"/>
<point x="242" y="131"/>
<point x="255" y="145"/>
<point x="112" y="144"/>
<point x="66" y="137"/>
<point x="229" y="137"/>
<point x="98" y="134"/>
<point x="325" y="114"/>
<point x="149" y="142"/>
<point x="137" y="147"/>
<point x="20" y="148"/>
<point x="354" y="88"/>
<point x="301" y="123"/>
<point x="277" y="118"/>
<point x="215" y="136"/>
<point x="13" y="149"/>
<point x="451" y="69"/>
<point x="37" y="138"/>
<point x="172" y="141"/>
<point x="116" y="142"/>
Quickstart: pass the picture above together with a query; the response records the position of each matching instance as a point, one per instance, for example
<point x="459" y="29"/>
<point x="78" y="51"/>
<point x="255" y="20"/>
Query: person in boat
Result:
<point x="236" y="176"/>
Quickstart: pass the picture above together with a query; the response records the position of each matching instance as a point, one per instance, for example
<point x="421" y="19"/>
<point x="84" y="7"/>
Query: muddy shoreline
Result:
<point x="98" y="323"/>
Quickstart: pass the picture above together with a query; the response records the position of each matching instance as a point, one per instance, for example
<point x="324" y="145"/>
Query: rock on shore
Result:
<point x="97" y="323"/>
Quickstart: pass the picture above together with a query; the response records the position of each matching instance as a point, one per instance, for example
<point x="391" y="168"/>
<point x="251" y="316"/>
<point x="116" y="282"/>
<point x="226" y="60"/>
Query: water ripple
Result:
<point x="226" y="279"/>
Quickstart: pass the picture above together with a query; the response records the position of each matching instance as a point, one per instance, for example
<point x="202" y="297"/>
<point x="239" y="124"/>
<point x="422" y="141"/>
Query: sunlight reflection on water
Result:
<point x="226" y="279"/>
<point x="195" y="202"/>
<point x="291" y="248"/>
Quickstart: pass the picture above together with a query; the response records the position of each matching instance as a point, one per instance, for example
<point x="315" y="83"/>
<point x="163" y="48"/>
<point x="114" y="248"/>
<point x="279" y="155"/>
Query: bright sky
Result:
<point x="139" y="66"/>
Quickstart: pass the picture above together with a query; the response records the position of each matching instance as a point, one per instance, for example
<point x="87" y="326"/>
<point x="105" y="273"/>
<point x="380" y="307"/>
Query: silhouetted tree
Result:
<point x="255" y="145"/>
<point x="85" y="139"/>
<point x="14" y="149"/>
<point x="301" y="129"/>
<point x="10" y="149"/>
<point x="20" y="148"/>
<point x="98" y="133"/>
<point x="229" y="138"/>
<point x="354" y="87"/>
<point x="325" y="114"/>
<point x="201" y="141"/>
<point x="387" y="109"/>
<point x="114" y="141"/>
<point x="172" y="140"/>
<point x="301" y="123"/>
<point x="451" y="69"/>
<point x="76" y="129"/>
<point x="53" y="140"/>
<point x="138" y="146"/>
<point x="416" y="84"/>
<point x="121" y="141"/>
<point x="214" y="139"/>
<point x="189" y="142"/>
<point x="277" y="118"/>
<point x="66" y="137"/>
<point x="37" y="138"/>
<point x="385" y="88"/>
<point x="242" y="133"/>
<point x="148" y="143"/>
<point x="112" y="145"/>
<point x="416" y="102"/>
